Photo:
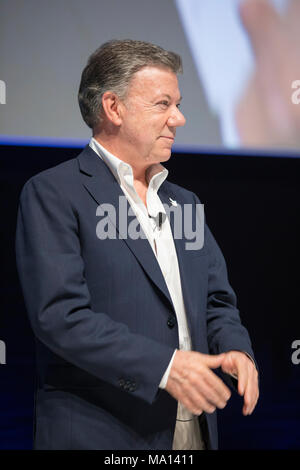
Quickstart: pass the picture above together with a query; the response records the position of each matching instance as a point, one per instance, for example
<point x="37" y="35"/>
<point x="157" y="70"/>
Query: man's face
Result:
<point x="150" y="115"/>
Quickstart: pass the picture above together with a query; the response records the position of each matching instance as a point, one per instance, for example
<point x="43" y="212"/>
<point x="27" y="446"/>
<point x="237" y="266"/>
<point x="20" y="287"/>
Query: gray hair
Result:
<point x="112" y="66"/>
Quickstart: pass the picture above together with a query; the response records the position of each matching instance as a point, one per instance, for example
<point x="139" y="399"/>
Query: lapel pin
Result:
<point x="173" y="202"/>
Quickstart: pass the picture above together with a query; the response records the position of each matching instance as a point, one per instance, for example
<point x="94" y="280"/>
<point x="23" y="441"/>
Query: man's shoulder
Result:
<point x="66" y="168"/>
<point x="61" y="175"/>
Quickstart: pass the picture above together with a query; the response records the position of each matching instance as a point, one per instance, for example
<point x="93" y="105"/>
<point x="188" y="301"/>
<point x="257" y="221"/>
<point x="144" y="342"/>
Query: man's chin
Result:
<point x="165" y="155"/>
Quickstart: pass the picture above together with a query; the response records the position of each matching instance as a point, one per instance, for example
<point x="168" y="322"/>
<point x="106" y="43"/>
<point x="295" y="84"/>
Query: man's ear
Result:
<point x="111" y="107"/>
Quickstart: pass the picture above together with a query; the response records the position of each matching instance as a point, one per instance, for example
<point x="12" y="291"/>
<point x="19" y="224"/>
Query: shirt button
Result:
<point x="171" y="321"/>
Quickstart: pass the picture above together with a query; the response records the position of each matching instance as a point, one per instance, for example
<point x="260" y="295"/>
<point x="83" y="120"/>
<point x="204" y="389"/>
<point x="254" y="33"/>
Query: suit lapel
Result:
<point x="103" y="187"/>
<point x="166" y="195"/>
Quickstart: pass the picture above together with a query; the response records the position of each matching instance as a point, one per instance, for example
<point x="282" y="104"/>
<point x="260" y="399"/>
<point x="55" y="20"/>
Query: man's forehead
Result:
<point x="155" y="81"/>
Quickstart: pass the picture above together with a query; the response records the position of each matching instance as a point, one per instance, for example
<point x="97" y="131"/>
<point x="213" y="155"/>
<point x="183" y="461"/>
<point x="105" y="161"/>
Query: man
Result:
<point x="128" y="328"/>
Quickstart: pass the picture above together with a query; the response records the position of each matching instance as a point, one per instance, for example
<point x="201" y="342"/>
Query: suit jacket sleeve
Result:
<point x="225" y="331"/>
<point x="57" y="297"/>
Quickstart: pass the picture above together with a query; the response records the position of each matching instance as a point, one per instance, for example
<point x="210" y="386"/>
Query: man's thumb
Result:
<point x="214" y="361"/>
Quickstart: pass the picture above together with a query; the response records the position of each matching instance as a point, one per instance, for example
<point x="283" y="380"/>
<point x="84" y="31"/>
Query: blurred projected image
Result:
<point x="241" y="68"/>
<point x="247" y="57"/>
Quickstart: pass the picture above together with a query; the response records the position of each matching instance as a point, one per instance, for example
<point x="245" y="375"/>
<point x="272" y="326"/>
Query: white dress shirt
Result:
<point x="162" y="242"/>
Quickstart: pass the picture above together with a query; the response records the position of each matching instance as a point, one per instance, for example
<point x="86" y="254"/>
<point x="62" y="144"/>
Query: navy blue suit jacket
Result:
<point x="103" y="317"/>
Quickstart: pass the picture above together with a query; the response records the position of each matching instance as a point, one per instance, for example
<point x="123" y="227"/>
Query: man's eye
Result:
<point x="164" y="103"/>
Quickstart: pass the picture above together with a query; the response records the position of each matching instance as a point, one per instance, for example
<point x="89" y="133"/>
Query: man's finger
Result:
<point x="213" y="361"/>
<point x="216" y="384"/>
<point x="251" y="393"/>
<point x="213" y="389"/>
<point x="237" y="365"/>
<point x="242" y="378"/>
<point x="261" y="22"/>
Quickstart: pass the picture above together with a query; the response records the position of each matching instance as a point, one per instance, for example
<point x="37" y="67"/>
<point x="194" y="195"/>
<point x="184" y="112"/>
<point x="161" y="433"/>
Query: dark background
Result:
<point x="252" y="206"/>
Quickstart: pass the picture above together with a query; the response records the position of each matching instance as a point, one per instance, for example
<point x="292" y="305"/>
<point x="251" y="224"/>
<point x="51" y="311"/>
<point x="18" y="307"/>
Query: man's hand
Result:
<point x="192" y="382"/>
<point x="240" y="365"/>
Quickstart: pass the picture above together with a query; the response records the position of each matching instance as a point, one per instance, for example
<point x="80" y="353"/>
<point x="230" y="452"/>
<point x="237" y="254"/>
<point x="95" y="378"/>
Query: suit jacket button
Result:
<point x="121" y="383"/>
<point x="132" y="387"/>
<point x="171" y="321"/>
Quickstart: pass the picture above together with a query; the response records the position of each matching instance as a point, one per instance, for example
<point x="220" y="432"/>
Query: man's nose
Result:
<point x="176" y="119"/>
